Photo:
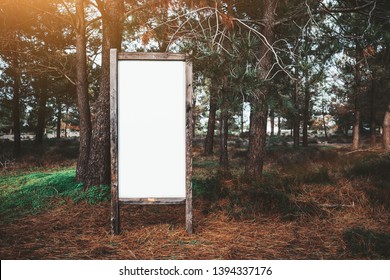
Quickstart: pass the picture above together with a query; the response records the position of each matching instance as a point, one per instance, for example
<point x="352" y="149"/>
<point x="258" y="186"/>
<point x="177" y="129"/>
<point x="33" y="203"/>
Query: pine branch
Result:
<point x="347" y="9"/>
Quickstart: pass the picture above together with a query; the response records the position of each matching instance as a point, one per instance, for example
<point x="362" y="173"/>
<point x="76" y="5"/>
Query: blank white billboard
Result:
<point x="151" y="129"/>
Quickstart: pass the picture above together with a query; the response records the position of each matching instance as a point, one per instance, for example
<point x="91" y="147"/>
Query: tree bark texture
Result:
<point x="16" y="104"/>
<point x="356" y="129"/>
<point x="356" y="123"/>
<point x="59" y="119"/>
<point x="386" y="129"/>
<point x="223" y="128"/>
<point x="242" y="120"/>
<point x="257" y="141"/>
<point x="82" y="93"/>
<point x="296" y="118"/>
<point x="306" y="117"/>
<point x="209" y="141"/>
<point x="194" y="117"/>
<point x="372" y="114"/>
<point x="324" y="126"/>
<point x="272" y="117"/>
<point x="258" y="117"/>
<point x="99" y="158"/>
<point x="41" y="121"/>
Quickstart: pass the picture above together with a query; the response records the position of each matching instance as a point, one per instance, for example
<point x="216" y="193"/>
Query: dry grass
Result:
<point x="316" y="231"/>
<point x="82" y="231"/>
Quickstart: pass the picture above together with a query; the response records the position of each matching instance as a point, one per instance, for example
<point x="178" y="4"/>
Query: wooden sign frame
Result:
<point x="116" y="201"/>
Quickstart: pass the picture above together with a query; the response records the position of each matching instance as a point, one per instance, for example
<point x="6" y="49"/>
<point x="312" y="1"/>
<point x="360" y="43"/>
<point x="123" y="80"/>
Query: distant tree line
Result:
<point x="286" y="59"/>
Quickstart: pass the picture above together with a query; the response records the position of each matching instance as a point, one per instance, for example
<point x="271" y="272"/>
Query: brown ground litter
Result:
<point x="317" y="230"/>
<point x="82" y="231"/>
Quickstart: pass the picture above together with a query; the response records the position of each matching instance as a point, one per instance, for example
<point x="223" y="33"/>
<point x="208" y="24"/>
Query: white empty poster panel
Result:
<point x="151" y="129"/>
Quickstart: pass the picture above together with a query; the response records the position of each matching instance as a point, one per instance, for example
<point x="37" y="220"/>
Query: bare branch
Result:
<point x="100" y="6"/>
<point x="347" y="9"/>
<point x="93" y="21"/>
<point x="35" y="7"/>
<point x="145" y="6"/>
<point x="324" y="10"/>
<point x="270" y="47"/>
<point x="71" y="15"/>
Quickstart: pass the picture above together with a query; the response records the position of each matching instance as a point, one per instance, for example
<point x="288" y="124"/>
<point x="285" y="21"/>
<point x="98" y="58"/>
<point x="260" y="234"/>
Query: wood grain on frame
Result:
<point x="114" y="141"/>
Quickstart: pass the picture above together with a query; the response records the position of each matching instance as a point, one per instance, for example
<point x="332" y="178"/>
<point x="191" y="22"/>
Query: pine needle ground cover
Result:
<point x="315" y="203"/>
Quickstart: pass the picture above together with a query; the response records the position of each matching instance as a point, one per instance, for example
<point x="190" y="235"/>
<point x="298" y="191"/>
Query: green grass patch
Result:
<point x="25" y="194"/>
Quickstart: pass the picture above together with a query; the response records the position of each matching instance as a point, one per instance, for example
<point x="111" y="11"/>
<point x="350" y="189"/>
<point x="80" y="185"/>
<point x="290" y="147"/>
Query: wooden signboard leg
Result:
<point x="189" y="227"/>
<point x="115" y="222"/>
<point x="115" y="225"/>
<point x="189" y="124"/>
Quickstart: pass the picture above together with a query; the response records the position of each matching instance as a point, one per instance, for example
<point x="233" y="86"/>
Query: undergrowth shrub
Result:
<point x="243" y="200"/>
<point x="317" y="176"/>
<point x="252" y="200"/>
<point x="301" y="156"/>
<point x="52" y="152"/>
<point x="375" y="167"/>
<point x="363" y="243"/>
<point x="210" y="188"/>
<point x="372" y="175"/>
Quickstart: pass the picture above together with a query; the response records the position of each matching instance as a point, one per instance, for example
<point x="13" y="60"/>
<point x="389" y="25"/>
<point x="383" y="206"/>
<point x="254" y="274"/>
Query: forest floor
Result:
<point x="320" y="202"/>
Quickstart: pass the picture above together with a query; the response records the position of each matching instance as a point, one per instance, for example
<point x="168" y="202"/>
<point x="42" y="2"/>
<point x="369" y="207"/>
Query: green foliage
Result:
<point x="209" y="188"/>
<point x="363" y="243"/>
<point x="30" y="193"/>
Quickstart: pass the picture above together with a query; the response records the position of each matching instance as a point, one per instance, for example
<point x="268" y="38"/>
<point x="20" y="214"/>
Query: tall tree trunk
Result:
<point x="41" y="122"/>
<point x="82" y="94"/>
<point x="99" y="158"/>
<point x="296" y="118"/>
<point x="279" y="126"/>
<point x="356" y="123"/>
<point x="194" y="115"/>
<point x="209" y="141"/>
<point x="306" y="117"/>
<point x="272" y="116"/>
<point x="258" y="118"/>
<point x="257" y="141"/>
<point x="242" y="120"/>
<point x="59" y="118"/>
<point x="372" y="114"/>
<point x="16" y="104"/>
<point x="386" y="129"/>
<point x="223" y="128"/>
<point x="324" y="126"/>
<point x="356" y="128"/>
